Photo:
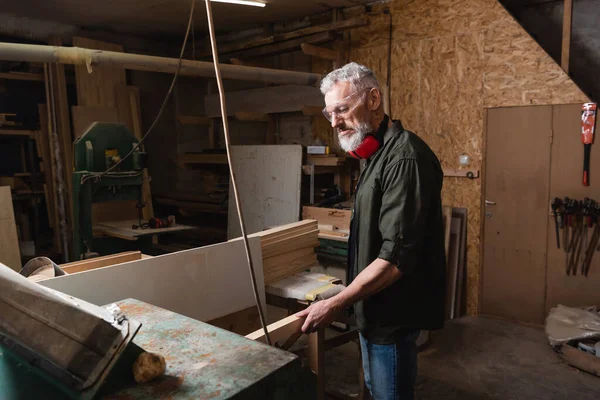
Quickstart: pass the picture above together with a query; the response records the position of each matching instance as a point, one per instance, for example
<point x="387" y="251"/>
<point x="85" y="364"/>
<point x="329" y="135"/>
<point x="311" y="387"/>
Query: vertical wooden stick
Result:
<point x="566" y="35"/>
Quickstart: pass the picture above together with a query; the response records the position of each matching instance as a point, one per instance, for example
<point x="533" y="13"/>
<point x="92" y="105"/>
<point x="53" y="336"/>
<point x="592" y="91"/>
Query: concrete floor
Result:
<point x="480" y="358"/>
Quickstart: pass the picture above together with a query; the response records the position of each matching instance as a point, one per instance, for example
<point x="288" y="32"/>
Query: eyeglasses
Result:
<point x="344" y="106"/>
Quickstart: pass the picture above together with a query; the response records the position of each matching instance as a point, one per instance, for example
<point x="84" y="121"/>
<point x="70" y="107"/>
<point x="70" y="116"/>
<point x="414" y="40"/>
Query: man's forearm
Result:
<point x="376" y="277"/>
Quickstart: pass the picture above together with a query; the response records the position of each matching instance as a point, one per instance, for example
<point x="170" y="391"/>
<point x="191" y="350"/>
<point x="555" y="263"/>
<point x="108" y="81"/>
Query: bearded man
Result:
<point x="396" y="260"/>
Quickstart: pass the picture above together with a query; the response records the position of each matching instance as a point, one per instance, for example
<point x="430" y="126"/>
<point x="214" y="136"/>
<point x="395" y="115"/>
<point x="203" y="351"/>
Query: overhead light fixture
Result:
<point x="242" y="2"/>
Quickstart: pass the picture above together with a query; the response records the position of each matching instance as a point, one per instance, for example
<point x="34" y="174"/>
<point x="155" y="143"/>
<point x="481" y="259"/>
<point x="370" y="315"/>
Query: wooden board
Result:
<point x="447" y="214"/>
<point x="461" y="214"/>
<point x="99" y="262"/>
<point x="241" y="322"/>
<point x="64" y="144"/>
<point x="84" y="116"/>
<point x="203" y="283"/>
<point x="136" y="120"/>
<point x="124" y="228"/>
<point x="98" y="87"/>
<point x="50" y="175"/>
<point x="340" y="219"/>
<point x="518" y="181"/>
<point x="269" y="179"/>
<point x="452" y="267"/>
<point x="268" y="100"/>
<point x="9" y="243"/>
<point x="565" y="180"/>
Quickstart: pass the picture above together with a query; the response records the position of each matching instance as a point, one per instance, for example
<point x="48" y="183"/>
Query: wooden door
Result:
<point x="516" y="191"/>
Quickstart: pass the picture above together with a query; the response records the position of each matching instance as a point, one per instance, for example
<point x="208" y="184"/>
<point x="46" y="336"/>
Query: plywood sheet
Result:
<point x="204" y="283"/>
<point x="84" y="116"/>
<point x="9" y="243"/>
<point x="268" y="179"/>
<point x="518" y="71"/>
<point x="98" y="87"/>
<point x="566" y="177"/>
<point x="272" y="99"/>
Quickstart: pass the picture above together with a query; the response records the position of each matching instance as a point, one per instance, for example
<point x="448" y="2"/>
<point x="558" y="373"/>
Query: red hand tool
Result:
<point x="588" y="123"/>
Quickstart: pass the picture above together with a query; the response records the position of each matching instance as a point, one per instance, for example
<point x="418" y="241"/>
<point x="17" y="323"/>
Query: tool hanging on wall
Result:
<point x="588" y="123"/>
<point x="575" y="218"/>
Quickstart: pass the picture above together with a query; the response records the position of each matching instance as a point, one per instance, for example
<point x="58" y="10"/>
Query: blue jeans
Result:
<point x="391" y="369"/>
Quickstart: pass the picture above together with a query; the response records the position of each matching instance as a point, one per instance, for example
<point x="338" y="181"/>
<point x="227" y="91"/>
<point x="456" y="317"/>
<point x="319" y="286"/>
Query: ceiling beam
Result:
<point x="282" y="37"/>
<point x="91" y="58"/>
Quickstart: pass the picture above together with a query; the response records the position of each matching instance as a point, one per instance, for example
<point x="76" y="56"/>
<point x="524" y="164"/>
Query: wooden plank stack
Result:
<point x="288" y="249"/>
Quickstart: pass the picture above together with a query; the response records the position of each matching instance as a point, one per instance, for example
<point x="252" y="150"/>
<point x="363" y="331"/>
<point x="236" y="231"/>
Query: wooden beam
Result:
<point x="286" y="46"/>
<point x="580" y="359"/>
<point x="193" y="158"/>
<point x="566" y="35"/>
<point x="99" y="262"/>
<point x="22" y="76"/>
<point x="313" y="111"/>
<point x="267" y="100"/>
<point x="17" y="132"/>
<point x="299" y="33"/>
<point x="280" y="331"/>
<point x="193" y="120"/>
<point x="316" y="359"/>
<point x="321" y="52"/>
<point x="251" y="116"/>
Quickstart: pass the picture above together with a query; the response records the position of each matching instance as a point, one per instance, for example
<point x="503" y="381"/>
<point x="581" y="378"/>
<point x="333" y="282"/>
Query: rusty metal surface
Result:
<point x="205" y="362"/>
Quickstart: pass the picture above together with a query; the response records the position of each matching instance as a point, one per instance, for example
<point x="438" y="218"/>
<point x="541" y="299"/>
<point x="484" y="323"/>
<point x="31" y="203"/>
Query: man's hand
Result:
<point x="318" y="315"/>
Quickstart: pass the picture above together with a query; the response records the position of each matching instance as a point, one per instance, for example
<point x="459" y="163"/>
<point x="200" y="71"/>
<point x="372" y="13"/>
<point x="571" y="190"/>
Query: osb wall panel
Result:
<point x="519" y="72"/>
<point x="450" y="60"/>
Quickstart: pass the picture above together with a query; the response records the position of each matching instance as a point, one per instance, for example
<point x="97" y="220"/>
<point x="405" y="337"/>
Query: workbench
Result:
<point x="203" y="362"/>
<point x="119" y="236"/>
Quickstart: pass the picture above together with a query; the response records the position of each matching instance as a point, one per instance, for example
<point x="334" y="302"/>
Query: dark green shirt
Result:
<point x="398" y="217"/>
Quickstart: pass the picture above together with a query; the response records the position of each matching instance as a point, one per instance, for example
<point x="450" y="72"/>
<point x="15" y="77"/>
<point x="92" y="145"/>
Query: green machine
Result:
<point x="102" y="173"/>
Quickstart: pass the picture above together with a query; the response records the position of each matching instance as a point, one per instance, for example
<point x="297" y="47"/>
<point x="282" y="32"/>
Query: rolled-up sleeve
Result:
<point x="403" y="217"/>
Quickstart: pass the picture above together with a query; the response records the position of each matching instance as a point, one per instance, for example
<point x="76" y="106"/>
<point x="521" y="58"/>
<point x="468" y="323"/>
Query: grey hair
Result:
<point x="359" y="76"/>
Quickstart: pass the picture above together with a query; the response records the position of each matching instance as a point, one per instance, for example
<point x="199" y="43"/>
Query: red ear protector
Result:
<point x="371" y="143"/>
<point x="367" y="148"/>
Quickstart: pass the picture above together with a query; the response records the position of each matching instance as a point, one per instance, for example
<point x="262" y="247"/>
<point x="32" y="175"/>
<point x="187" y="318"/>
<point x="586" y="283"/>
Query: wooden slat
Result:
<point x="65" y="137"/>
<point x="99" y="262"/>
<point x="136" y="117"/>
<point x="580" y="359"/>
<point x="566" y="35"/>
<point x="22" y="76"/>
<point x="316" y="359"/>
<point x="286" y="46"/>
<point x="52" y="197"/>
<point x="279" y="331"/>
<point x="321" y="52"/>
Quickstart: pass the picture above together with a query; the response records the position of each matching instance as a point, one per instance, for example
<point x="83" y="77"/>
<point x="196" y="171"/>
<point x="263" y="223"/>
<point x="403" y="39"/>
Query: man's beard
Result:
<point x="352" y="142"/>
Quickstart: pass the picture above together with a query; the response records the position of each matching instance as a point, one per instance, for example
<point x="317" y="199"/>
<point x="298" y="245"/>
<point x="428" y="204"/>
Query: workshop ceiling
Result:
<point x="166" y="17"/>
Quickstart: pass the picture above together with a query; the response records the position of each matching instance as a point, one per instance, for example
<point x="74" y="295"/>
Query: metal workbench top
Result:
<point x="203" y="362"/>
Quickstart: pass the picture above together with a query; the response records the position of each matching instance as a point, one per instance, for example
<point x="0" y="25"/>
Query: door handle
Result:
<point x="490" y="203"/>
